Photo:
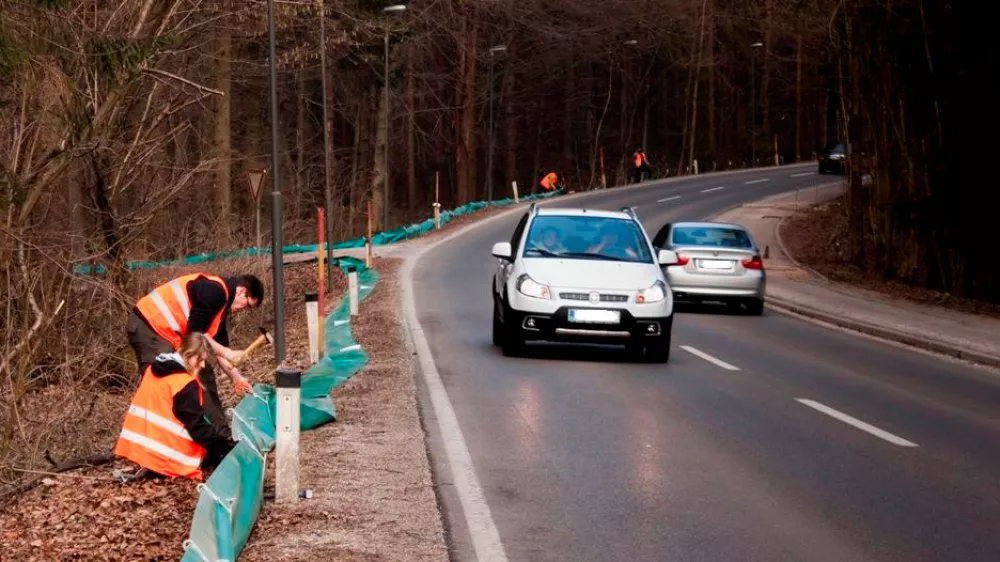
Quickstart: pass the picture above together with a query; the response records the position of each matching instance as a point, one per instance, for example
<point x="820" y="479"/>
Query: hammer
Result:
<point x="265" y="337"/>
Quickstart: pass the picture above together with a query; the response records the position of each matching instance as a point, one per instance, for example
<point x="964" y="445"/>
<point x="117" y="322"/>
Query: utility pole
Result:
<point x="489" y="157"/>
<point x="327" y="147"/>
<point x="276" y="256"/>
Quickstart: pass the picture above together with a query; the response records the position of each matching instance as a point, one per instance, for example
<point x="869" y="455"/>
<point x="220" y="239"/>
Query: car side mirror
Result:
<point x="667" y="257"/>
<point x="502" y="250"/>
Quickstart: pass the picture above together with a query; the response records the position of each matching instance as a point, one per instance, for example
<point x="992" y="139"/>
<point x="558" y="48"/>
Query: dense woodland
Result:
<point x="127" y="128"/>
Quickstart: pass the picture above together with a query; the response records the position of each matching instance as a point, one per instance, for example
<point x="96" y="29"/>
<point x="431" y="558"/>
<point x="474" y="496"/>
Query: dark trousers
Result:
<point x="147" y="344"/>
<point x="638" y="171"/>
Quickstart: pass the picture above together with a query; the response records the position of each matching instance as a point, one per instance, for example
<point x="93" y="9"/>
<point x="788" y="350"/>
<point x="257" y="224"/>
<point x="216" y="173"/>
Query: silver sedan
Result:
<point x="717" y="262"/>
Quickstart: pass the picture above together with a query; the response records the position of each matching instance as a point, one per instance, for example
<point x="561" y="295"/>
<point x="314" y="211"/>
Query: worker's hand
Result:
<point x="235" y="356"/>
<point x="240" y="384"/>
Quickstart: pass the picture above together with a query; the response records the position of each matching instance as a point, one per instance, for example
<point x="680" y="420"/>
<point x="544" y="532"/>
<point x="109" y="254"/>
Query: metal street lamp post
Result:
<point x="385" y="100"/>
<point x="489" y="157"/>
<point x="276" y="256"/>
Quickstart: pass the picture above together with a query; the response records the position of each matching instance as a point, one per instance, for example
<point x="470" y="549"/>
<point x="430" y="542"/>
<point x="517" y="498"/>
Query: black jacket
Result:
<point x="190" y="412"/>
<point x="207" y="299"/>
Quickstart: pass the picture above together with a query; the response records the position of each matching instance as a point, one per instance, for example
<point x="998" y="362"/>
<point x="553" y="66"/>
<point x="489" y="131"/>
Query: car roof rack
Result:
<point x="533" y="209"/>
<point x="630" y="211"/>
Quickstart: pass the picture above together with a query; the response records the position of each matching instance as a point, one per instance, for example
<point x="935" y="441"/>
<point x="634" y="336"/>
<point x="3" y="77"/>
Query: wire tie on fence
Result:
<point x="350" y="347"/>
<point x="204" y="488"/>
<point x="190" y="544"/>
<point x="248" y="441"/>
<point x="241" y="418"/>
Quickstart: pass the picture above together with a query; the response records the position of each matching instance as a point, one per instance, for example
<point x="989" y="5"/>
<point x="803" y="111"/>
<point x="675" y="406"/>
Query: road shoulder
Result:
<point x="796" y="287"/>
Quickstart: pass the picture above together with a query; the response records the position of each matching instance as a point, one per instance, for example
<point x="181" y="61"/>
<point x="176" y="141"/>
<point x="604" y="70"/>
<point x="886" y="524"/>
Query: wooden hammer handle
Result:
<point x="261" y="340"/>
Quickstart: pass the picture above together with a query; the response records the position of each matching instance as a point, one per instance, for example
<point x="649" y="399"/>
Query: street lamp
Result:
<point x="753" y="105"/>
<point x="489" y="157"/>
<point x="385" y="92"/>
<point x="276" y="256"/>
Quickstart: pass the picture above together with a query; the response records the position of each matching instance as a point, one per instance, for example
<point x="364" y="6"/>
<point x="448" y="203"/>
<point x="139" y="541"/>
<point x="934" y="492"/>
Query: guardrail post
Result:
<point x="368" y="244"/>
<point x="352" y="288"/>
<point x="514" y="185"/>
<point x="289" y="385"/>
<point x="312" y="321"/>
<point x="437" y="215"/>
<point x="696" y="167"/>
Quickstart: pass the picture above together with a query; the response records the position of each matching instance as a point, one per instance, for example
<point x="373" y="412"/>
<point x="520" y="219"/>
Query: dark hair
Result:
<point x="254" y="287"/>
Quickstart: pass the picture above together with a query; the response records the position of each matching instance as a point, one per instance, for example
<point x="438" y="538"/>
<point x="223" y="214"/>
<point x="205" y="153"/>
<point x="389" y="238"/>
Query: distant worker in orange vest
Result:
<point x="165" y="429"/>
<point x="640" y="166"/>
<point x="551" y="182"/>
<point x="194" y="303"/>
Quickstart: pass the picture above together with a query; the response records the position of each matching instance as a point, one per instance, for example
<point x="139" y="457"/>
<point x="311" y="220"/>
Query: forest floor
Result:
<point x="815" y="237"/>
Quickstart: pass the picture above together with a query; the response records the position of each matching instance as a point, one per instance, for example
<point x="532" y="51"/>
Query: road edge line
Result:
<point x="482" y="529"/>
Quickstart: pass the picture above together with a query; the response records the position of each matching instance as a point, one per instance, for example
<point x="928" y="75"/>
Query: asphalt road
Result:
<point x="738" y="449"/>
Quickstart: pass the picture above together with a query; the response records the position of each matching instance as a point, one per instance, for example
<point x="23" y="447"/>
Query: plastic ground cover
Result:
<point x="380" y="239"/>
<point x="230" y="500"/>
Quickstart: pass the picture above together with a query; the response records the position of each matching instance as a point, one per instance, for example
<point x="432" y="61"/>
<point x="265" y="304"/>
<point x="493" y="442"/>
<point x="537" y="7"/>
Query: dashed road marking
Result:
<point x="664" y="200"/>
<point x="802" y="175"/>
<point x="713" y="189"/>
<point x="868" y="428"/>
<point x="709" y="358"/>
<point x="762" y="180"/>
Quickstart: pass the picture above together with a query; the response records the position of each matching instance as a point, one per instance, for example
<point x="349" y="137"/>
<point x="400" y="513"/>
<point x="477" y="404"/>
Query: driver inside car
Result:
<point x="609" y="245"/>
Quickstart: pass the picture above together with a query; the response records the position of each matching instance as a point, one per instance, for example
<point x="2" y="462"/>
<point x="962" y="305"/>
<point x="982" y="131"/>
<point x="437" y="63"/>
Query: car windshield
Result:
<point x="720" y="236"/>
<point x="586" y="237"/>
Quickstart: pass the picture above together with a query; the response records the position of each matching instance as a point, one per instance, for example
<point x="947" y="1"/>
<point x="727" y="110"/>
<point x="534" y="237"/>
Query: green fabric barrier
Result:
<point x="230" y="500"/>
<point x="380" y="239"/>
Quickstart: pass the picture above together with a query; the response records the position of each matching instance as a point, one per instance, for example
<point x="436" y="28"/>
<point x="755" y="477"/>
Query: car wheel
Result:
<point x="513" y="341"/>
<point x="658" y="351"/>
<point x="497" y="325"/>
<point x="755" y="307"/>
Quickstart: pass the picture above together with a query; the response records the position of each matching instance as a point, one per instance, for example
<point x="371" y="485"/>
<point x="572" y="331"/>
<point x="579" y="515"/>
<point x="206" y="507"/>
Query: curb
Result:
<point x="783" y="306"/>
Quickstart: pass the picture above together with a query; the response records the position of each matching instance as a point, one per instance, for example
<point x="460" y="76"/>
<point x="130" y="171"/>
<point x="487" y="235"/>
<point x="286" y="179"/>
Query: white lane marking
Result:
<point x="482" y="529"/>
<point x="713" y="189"/>
<point x="751" y="182"/>
<point x="709" y="358"/>
<point x="802" y="175"/>
<point x="664" y="200"/>
<point x="856" y="423"/>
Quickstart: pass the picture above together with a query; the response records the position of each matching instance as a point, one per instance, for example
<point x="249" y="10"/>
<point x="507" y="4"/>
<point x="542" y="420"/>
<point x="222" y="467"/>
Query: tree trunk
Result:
<point x="712" y="147"/>
<point x="378" y="169"/>
<point x="798" y="96"/>
<point x="300" y="144"/>
<point x="697" y="80"/>
<point x="511" y="120"/>
<point x="223" y="136"/>
<point x="465" y="149"/>
<point x="765" y="83"/>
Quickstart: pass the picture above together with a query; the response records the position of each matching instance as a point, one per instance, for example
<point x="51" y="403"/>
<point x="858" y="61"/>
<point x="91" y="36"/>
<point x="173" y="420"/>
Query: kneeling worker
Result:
<point x="166" y="429"/>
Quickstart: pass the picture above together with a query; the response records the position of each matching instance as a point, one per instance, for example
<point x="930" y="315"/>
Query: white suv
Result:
<point x="582" y="275"/>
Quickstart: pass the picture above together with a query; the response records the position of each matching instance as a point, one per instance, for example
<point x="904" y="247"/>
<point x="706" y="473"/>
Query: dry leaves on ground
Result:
<point x="373" y="496"/>
<point x="816" y="237"/>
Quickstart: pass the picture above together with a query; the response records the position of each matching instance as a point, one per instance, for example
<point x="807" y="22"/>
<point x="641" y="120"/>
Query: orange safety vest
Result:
<point x="638" y="159"/>
<point x="168" y="307"/>
<point x="152" y="436"/>
<point x="549" y="181"/>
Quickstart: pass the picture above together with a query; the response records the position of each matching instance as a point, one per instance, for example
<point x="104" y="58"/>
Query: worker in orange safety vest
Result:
<point x="640" y="165"/>
<point x="196" y="302"/>
<point x="166" y="429"/>
<point x="551" y="181"/>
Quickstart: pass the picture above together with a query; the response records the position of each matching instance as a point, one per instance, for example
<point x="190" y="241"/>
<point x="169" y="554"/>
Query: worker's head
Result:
<point x="249" y="293"/>
<point x="194" y="351"/>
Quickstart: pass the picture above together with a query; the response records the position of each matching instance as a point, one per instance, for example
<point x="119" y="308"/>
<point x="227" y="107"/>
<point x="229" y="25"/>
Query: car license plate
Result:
<point x="594" y="316"/>
<point x="715" y="264"/>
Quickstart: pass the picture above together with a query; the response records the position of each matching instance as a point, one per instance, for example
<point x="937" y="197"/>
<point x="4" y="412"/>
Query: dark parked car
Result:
<point x="832" y="159"/>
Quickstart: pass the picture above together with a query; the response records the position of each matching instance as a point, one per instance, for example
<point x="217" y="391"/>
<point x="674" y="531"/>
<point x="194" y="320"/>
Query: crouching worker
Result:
<point x="166" y="429"/>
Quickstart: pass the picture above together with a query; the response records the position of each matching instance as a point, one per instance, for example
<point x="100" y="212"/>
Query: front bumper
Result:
<point x="556" y="327"/>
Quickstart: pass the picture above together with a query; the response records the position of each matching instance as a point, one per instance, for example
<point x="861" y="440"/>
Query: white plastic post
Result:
<point x="312" y="321"/>
<point x="352" y="288"/>
<point x="514" y="185"/>
<point x="696" y="167"/>
<point x="289" y="386"/>
<point x="437" y="216"/>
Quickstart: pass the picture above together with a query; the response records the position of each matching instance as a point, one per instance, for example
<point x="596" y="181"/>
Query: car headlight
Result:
<point x="531" y="288"/>
<point x="656" y="293"/>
